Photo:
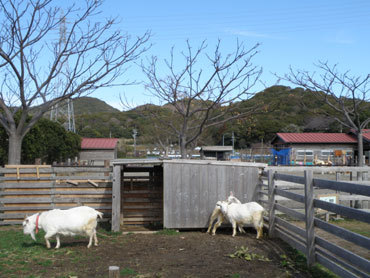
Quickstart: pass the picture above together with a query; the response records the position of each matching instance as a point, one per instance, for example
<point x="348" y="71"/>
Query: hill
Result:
<point x="285" y="109"/>
<point x="90" y="105"/>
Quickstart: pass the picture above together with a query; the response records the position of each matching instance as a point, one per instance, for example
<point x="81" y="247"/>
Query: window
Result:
<point x="303" y="153"/>
<point x="327" y="153"/>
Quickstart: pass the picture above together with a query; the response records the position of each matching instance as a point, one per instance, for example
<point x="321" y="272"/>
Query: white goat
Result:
<point x="243" y="214"/>
<point x="217" y="213"/>
<point x="69" y="222"/>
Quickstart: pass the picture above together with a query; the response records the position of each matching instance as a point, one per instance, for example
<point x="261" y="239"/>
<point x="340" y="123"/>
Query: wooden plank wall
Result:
<point x="28" y="189"/>
<point x="142" y="195"/>
<point x="192" y="190"/>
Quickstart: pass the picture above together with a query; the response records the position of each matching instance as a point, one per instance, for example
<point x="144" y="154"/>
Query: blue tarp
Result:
<point x="281" y="157"/>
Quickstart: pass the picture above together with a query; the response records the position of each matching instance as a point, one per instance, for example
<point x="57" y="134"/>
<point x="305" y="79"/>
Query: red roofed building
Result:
<point x="316" y="138"/>
<point x="94" y="151"/>
<point x="315" y="148"/>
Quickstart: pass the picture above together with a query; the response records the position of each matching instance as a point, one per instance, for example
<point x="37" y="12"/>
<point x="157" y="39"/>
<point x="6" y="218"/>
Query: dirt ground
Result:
<point x="183" y="254"/>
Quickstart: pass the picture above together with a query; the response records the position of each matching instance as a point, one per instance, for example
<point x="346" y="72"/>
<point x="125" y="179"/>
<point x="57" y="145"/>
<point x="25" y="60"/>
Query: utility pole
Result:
<point x="233" y="140"/>
<point x="134" y="133"/>
<point x="71" y="116"/>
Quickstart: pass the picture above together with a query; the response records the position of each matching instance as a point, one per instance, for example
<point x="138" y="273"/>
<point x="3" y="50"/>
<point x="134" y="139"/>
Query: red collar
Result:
<point x="37" y="223"/>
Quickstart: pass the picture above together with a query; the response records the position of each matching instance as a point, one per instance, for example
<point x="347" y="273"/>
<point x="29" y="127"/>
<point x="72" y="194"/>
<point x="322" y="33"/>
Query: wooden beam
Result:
<point x="116" y="198"/>
<point x="93" y="183"/>
<point x="271" y="200"/>
<point x="310" y="213"/>
<point x="72" y="182"/>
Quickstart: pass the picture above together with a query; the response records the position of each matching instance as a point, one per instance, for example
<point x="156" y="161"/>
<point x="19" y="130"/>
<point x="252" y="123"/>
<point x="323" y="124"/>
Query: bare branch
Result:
<point x="198" y="85"/>
<point x="347" y="95"/>
<point x="40" y="67"/>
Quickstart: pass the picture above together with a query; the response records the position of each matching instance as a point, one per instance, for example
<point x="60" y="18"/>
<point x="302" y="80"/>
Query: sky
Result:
<point x="291" y="33"/>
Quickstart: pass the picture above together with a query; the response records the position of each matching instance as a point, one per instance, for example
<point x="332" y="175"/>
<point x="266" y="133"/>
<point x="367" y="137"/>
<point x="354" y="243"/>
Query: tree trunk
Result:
<point x="183" y="147"/>
<point x="360" y="147"/>
<point x="15" y="146"/>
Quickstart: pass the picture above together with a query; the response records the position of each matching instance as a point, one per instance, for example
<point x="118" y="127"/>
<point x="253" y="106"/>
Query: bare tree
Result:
<point x="202" y="91"/>
<point x="42" y="68"/>
<point x="347" y="95"/>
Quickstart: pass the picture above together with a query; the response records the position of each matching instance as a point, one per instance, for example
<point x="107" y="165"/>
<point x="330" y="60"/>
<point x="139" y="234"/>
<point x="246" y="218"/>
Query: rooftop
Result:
<point x="99" y="143"/>
<point x="218" y="148"/>
<point x="317" y="137"/>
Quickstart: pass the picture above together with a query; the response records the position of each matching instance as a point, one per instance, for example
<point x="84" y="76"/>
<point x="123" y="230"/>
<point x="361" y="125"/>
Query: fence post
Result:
<point x="271" y="200"/>
<point x="114" y="271"/>
<point x="116" y="198"/>
<point x="309" y="215"/>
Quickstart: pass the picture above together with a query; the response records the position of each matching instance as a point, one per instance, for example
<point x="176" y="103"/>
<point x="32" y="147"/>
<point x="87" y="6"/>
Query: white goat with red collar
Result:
<point x="69" y="222"/>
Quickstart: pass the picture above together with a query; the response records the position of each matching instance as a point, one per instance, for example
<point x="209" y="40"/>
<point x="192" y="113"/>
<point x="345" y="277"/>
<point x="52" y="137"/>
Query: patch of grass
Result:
<point x="19" y="253"/>
<point x="109" y="233"/>
<point x="69" y="275"/>
<point x="352" y="225"/>
<point x="45" y="263"/>
<point x="127" y="272"/>
<point x="244" y="253"/>
<point x="295" y="260"/>
<point x="167" y="232"/>
<point x="234" y="275"/>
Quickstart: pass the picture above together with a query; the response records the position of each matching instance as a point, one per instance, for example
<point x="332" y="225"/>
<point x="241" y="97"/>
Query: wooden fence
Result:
<point x="317" y="249"/>
<point x="27" y="189"/>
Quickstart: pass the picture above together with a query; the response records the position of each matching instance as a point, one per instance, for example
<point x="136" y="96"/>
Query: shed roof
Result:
<point x="99" y="143"/>
<point x="317" y="137"/>
<point x="218" y="148"/>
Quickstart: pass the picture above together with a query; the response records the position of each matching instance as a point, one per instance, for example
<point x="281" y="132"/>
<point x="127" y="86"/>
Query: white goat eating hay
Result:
<point x="217" y="213"/>
<point x="243" y="214"/>
<point x="70" y="222"/>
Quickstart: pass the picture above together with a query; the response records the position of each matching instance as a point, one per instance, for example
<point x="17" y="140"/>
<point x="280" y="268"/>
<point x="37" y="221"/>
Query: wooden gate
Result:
<point x="142" y="196"/>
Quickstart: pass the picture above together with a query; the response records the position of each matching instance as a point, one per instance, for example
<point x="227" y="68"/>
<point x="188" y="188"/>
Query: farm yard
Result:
<point x="166" y="253"/>
<point x="180" y="196"/>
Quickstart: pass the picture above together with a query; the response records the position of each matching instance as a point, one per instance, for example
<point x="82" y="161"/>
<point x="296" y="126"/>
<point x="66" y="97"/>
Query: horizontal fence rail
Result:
<point x="317" y="249"/>
<point x="28" y="189"/>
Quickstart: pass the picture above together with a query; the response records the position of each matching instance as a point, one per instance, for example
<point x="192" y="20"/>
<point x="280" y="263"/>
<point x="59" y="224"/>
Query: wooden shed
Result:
<point x="94" y="151"/>
<point x="216" y="152"/>
<point x="177" y="193"/>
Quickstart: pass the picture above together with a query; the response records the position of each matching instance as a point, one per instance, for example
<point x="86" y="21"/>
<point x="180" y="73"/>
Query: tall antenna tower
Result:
<point x="67" y="109"/>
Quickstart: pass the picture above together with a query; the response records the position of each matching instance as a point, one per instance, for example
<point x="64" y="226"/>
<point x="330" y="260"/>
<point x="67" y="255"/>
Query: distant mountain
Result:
<point x="285" y="109"/>
<point x="90" y="105"/>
